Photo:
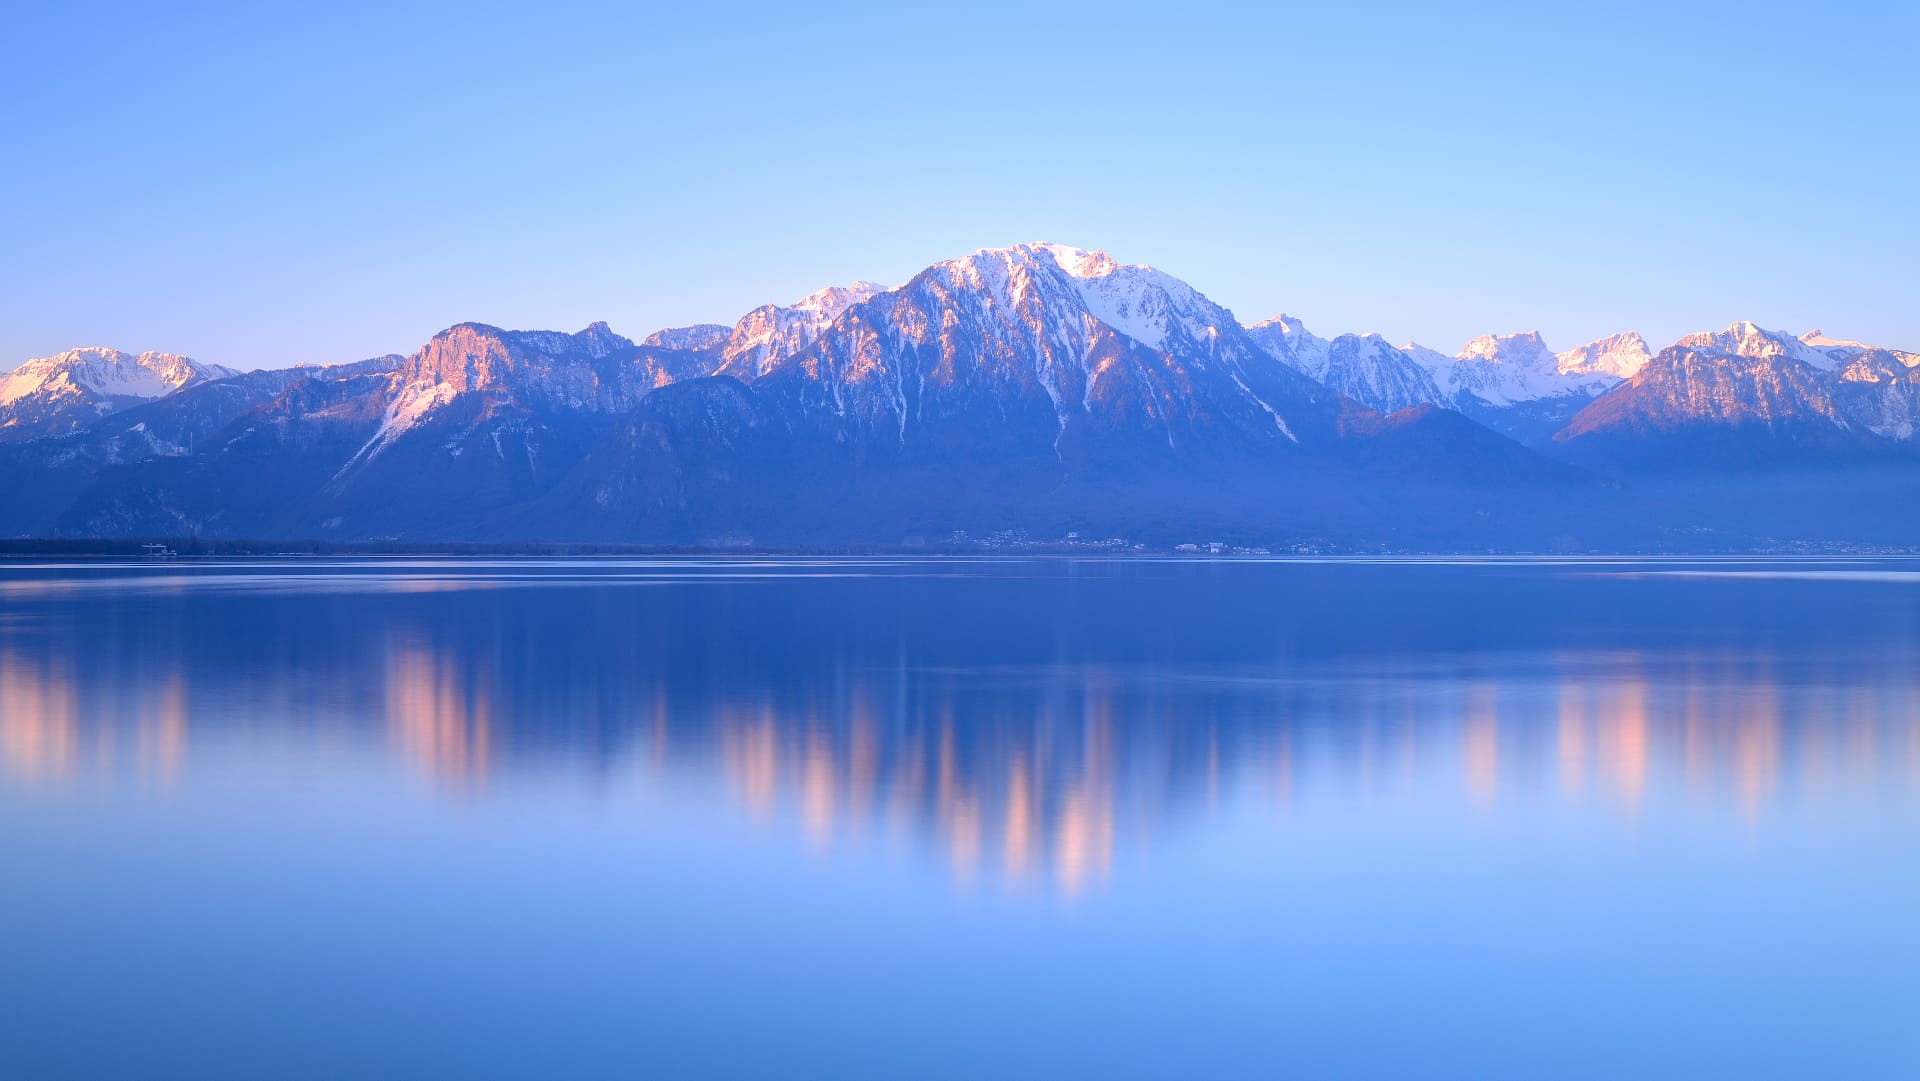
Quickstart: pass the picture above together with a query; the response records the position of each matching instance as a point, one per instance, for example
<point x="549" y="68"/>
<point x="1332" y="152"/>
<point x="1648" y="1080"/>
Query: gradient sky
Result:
<point x="259" y="188"/>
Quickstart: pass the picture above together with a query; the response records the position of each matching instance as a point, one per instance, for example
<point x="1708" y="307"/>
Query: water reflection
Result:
<point x="39" y="718"/>
<point x="54" y="724"/>
<point x="1025" y="732"/>
<point x="1033" y="800"/>
<point x="436" y="717"/>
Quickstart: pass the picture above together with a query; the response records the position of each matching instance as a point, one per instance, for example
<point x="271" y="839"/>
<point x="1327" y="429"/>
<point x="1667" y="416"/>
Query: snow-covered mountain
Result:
<point x="770" y="333"/>
<point x="1363" y="367"/>
<point x="1845" y="350"/>
<point x="1744" y="393"/>
<point x="1620" y="356"/>
<point x="1036" y="385"/>
<point x="1050" y="339"/>
<point x="997" y="338"/>
<point x="1744" y="339"/>
<point x="1510" y="382"/>
<point x="1737" y="376"/>
<point x="1510" y="369"/>
<point x="478" y="386"/>
<point x="695" y="338"/>
<point x="1033" y="380"/>
<point x="67" y="391"/>
<point x="1287" y="338"/>
<point x="1516" y="385"/>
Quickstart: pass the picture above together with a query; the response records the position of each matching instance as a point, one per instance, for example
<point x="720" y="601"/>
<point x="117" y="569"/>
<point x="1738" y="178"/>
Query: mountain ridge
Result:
<point x="1033" y="385"/>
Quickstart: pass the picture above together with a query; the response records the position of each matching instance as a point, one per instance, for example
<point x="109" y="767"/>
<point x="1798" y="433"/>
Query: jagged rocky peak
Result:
<point x="1794" y="388"/>
<point x="1429" y="358"/>
<point x="771" y="333"/>
<point x="586" y="370"/>
<point x="1744" y="338"/>
<point x="1079" y="262"/>
<point x="469" y="356"/>
<point x="1741" y="338"/>
<point x="834" y="299"/>
<point x="1620" y="355"/>
<point x="1819" y="340"/>
<point x="1849" y="350"/>
<point x="691" y="338"/>
<point x="1369" y="346"/>
<point x="599" y="339"/>
<point x="1048" y="289"/>
<point x="1047" y="339"/>
<point x="1289" y="325"/>
<point x="1498" y="371"/>
<point x="1526" y="349"/>
<point x="596" y="341"/>
<point x="1368" y="369"/>
<point x="992" y="266"/>
<point x="1287" y="338"/>
<point x="1289" y="333"/>
<point x="1056" y="299"/>
<point x="67" y="391"/>
<point x="106" y="373"/>
<point x="1145" y="304"/>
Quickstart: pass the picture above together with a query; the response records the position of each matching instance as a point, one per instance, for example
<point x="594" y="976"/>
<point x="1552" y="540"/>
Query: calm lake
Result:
<point x="885" y="818"/>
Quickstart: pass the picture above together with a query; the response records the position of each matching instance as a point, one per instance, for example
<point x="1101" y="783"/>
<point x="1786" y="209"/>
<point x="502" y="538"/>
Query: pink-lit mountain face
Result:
<point x="1032" y="387"/>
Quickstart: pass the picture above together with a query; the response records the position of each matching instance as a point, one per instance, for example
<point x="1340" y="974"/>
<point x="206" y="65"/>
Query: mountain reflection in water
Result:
<point x="878" y="818"/>
<point x="1023" y="721"/>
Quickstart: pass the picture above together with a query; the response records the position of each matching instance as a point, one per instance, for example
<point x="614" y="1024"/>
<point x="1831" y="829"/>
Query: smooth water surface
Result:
<point x="914" y="819"/>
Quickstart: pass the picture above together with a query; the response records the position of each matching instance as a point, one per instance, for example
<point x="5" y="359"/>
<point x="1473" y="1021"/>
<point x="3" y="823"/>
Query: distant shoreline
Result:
<point x="186" y="548"/>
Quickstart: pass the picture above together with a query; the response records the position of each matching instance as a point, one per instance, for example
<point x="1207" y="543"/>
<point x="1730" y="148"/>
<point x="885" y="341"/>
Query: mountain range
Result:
<point x="1035" y="390"/>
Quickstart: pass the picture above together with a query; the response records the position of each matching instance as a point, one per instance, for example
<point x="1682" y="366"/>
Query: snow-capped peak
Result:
<point x="1078" y="262"/>
<point x="1143" y="303"/>
<point x="1845" y="350"/>
<point x="770" y="333"/>
<point x="1744" y="338"/>
<point x="599" y="339"/>
<point x="1290" y="325"/>
<point x="1819" y="340"/>
<point x="1431" y="359"/>
<point x="828" y="303"/>
<point x="1524" y="350"/>
<point x="106" y="374"/>
<point x="1364" y="367"/>
<point x="1620" y="355"/>
<point x="697" y="336"/>
<point x="1506" y="369"/>
<point x="1287" y="338"/>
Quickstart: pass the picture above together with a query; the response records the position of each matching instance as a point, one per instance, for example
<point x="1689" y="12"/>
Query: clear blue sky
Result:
<point x="257" y="188"/>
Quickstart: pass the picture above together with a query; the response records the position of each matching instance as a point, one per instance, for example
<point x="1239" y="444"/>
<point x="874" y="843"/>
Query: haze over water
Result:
<point x="1015" y="818"/>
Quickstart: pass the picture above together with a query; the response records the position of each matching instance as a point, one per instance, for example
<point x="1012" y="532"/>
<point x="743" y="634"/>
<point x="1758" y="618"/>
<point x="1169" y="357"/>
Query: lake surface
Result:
<point x="919" y="819"/>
